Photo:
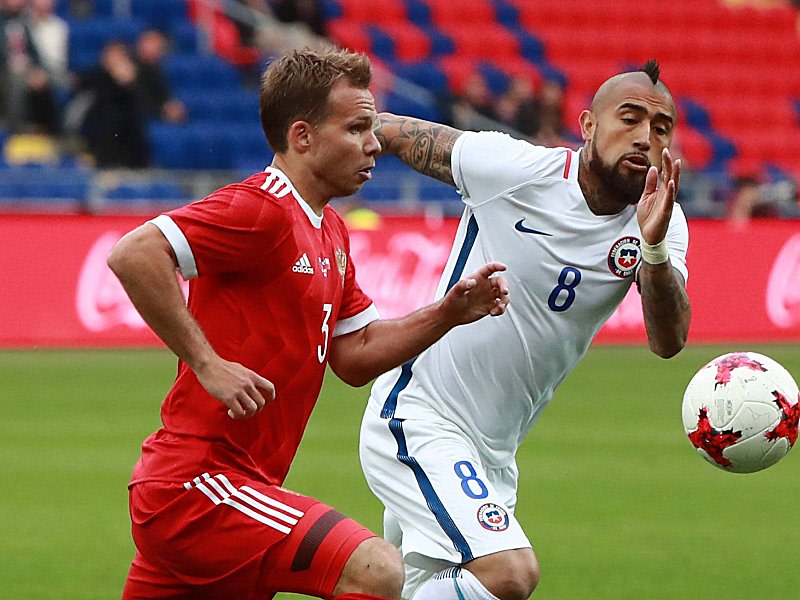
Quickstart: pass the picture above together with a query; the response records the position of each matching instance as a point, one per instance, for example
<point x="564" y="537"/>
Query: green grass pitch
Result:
<point x="613" y="497"/>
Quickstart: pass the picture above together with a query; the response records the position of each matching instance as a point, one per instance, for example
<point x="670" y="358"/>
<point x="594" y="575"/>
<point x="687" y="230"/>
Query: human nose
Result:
<point x="642" y="141"/>
<point x="372" y="145"/>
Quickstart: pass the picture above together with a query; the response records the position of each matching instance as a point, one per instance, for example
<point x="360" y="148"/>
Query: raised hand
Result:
<point x="478" y="295"/>
<point x="655" y="206"/>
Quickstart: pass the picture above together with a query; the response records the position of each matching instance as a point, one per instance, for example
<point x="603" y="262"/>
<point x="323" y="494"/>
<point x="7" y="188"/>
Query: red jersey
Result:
<point x="271" y="284"/>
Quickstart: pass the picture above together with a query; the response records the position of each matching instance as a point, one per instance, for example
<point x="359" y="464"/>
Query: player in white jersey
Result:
<point x="576" y="229"/>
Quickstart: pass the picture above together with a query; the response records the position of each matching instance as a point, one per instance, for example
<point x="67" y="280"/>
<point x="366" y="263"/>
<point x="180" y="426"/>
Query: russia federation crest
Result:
<point x="341" y="261"/>
<point x="493" y="517"/>
<point x="624" y="256"/>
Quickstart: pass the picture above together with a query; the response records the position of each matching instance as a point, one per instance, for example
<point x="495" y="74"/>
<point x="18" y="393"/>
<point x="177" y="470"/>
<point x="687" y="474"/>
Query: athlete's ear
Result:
<point x="587" y="123"/>
<point x="300" y="136"/>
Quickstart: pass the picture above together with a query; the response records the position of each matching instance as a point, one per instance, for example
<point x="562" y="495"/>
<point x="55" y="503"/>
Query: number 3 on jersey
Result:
<point x="322" y="350"/>
<point x="563" y="295"/>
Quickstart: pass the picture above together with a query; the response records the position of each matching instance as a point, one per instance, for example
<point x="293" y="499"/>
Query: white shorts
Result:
<point x="443" y="506"/>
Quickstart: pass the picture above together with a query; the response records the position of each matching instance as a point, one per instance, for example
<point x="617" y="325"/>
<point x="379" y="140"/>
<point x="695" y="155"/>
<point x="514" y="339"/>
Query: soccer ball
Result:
<point x="741" y="412"/>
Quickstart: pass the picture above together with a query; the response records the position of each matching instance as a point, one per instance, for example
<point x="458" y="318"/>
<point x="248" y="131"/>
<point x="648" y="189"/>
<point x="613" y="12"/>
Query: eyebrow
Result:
<point x="641" y="109"/>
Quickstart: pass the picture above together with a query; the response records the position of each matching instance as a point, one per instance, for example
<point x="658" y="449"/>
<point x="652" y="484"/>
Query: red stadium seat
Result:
<point x="484" y="41"/>
<point x="462" y="12"/>
<point x="373" y="11"/>
<point x="458" y="70"/>
<point x="350" y="34"/>
<point x="410" y="42"/>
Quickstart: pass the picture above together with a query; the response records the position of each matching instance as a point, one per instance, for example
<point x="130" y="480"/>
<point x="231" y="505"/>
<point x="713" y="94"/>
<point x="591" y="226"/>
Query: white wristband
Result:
<point x="657" y="254"/>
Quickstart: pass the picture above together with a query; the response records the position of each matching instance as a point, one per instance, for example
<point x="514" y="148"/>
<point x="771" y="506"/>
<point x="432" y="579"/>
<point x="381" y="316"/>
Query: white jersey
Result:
<point x="568" y="270"/>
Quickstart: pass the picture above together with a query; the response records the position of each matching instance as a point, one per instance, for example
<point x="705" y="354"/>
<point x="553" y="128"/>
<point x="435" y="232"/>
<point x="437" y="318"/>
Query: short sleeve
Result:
<point x="487" y="163"/>
<point x="678" y="241"/>
<point x="357" y="309"/>
<point x="230" y="231"/>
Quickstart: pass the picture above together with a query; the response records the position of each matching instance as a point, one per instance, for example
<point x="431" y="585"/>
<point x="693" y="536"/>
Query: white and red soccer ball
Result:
<point x="741" y="412"/>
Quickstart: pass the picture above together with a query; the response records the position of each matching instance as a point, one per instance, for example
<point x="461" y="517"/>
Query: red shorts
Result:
<point x="228" y="536"/>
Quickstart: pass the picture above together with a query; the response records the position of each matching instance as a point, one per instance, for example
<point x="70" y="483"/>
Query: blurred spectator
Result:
<point x="50" y="34"/>
<point x="28" y="103"/>
<point x="518" y="108"/>
<point x="156" y="97"/>
<point x="113" y="125"/>
<point x="305" y="11"/>
<point x="750" y="199"/>
<point x="550" y="106"/>
<point x="222" y="26"/>
<point x="474" y="108"/>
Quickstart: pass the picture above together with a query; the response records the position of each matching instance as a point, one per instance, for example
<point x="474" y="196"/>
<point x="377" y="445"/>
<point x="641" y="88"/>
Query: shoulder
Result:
<point x="501" y="149"/>
<point x="244" y="204"/>
<point x="488" y="163"/>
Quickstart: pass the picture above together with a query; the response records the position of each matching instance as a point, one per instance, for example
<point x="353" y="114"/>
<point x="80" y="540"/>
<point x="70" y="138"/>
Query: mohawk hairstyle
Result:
<point x="653" y="70"/>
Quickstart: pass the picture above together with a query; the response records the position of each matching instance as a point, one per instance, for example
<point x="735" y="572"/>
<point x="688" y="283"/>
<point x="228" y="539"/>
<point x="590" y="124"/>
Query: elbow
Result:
<point x="117" y="258"/>
<point x="668" y="349"/>
<point x="349" y="371"/>
<point x="353" y="379"/>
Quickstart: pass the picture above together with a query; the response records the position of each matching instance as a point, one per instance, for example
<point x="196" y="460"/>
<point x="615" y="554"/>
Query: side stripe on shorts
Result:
<point x="396" y="425"/>
<point x="434" y="502"/>
<point x="248" y="501"/>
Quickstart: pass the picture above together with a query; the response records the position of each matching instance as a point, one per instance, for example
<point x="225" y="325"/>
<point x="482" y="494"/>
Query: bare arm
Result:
<point x="666" y="307"/>
<point x="424" y="146"/>
<point x="359" y="357"/>
<point x="145" y="264"/>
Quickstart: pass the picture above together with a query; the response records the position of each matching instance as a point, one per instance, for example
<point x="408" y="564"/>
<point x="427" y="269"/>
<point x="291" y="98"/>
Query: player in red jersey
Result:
<point x="273" y="299"/>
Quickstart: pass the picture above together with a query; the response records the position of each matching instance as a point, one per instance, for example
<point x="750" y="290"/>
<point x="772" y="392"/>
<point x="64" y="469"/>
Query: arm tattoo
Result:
<point x="424" y="146"/>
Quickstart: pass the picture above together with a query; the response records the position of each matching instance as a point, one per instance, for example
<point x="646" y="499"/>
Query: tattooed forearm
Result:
<point x="666" y="308"/>
<point x="422" y="145"/>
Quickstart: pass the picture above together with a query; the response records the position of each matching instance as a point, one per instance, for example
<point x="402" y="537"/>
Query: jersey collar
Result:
<point x="281" y="179"/>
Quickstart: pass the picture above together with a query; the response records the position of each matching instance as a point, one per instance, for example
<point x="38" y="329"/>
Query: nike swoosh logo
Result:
<point x="520" y="227"/>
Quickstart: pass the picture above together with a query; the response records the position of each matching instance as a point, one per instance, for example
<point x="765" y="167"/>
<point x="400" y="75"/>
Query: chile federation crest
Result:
<point x="624" y="256"/>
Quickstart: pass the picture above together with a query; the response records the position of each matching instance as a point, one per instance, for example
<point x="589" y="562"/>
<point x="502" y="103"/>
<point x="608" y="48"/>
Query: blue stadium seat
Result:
<point x="184" y="37"/>
<point x="146" y="190"/>
<point x="423" y="73"/>
<point x="433" y="190"/>
<point x="507" y="14"/>
<point x="496" y="80"/>
<point x="412" y="107"/>
<point x="94" y="33"/>
<point x="200" y="70"/>
<point x="160" y="14"/>
<point x="229" y="105"/>
<point x="419" y="13"/>
<point x="170" y="145"/>
<point x="249" y="147"/>
<point x="382" y="44"/>
<point x="211" y="146"/>
<point x="330" y="9"/>
<point x="44" y="183"/>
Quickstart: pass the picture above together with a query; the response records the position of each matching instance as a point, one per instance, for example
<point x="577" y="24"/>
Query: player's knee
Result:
<point x="375" y="567"/>
<point x="509" y="575"/>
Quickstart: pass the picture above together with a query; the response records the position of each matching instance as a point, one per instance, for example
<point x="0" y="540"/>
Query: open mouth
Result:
<point x="637" y="162"/>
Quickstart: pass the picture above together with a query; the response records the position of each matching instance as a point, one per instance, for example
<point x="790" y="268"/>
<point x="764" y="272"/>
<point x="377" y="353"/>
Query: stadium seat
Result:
<point x="88" y="36"/>
<point x="410" y="42"/>
<point x="200" y="70"/>
<point x="159" y="14"/>
<point x="412" y="107"/>
<point x="370" y="11"/>
<point x="350" y="34"/>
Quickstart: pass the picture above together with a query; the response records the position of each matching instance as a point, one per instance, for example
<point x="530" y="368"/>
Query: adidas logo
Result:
<point x="303" y="265"/>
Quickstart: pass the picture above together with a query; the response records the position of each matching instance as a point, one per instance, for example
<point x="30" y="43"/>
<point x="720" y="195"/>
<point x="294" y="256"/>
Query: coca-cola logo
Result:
<point x="100" y="299"/>
<point x="402" y="276"/>
<point x="783" y="287"/>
